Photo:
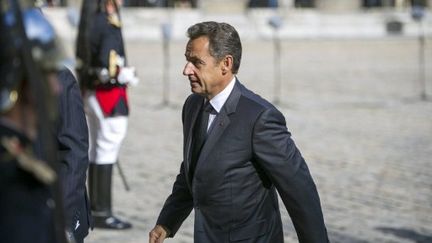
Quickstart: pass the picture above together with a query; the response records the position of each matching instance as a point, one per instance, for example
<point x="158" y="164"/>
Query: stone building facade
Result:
<point x="241" y="5"/>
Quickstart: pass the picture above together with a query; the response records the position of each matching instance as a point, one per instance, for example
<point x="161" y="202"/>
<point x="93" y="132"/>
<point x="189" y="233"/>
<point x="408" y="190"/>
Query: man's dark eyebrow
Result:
<point x="194" y="59"/>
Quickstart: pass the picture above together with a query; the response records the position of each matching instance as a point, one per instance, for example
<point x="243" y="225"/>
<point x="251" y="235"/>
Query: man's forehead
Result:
<point x="188" y="50"/>
<point x="196" y="46"/>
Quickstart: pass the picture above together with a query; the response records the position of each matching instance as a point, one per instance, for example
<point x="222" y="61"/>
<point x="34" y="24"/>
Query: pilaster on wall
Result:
<point x="223" y="6"/>
<point x="338" y="5"/>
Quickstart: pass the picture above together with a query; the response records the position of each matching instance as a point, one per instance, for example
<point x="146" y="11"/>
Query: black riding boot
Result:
<point x="100" y="198"/>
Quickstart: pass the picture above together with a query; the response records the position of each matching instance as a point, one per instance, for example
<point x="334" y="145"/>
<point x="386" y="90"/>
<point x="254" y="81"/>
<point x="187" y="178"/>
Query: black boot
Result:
<point x="100" y="198"/>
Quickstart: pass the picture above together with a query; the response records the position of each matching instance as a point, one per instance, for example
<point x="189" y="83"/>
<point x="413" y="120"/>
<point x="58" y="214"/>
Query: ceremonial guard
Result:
<point x="105" y="93"/>
<point x="30" y="201"/>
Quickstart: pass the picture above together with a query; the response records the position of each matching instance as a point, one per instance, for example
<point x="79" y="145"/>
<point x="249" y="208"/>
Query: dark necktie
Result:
<point x="200" y="134"/>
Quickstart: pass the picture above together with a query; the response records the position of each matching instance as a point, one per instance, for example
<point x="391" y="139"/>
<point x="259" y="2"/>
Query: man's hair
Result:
<point x="223" y="40"/>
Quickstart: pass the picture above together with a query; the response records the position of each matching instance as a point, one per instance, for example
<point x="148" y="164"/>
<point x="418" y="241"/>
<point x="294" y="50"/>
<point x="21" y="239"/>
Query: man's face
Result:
<point x="54" y="88"/>
<point x="203" y="70"/>
<point x="110" y="8"/>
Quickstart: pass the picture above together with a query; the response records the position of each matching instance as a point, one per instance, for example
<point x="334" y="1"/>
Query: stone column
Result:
<point x="338" y="5"/>
<point x="286" y="3"/>
<point x="75" y="3"/>
<point x="223" y="6"/>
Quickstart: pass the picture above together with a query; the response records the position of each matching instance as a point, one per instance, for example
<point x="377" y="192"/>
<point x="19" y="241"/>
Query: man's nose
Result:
<point x="187" y="70"/>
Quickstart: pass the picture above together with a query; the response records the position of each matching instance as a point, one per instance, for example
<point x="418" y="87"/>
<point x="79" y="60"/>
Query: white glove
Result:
<point x="120" y="61"/>
<point x="127" y="75"/>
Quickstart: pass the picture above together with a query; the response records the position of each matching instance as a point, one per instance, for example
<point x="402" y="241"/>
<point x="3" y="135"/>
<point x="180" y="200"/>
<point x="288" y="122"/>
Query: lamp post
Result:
<point x="276" y="23"/>
<point x="166" y="36"/>
<point x="417" y="13"/>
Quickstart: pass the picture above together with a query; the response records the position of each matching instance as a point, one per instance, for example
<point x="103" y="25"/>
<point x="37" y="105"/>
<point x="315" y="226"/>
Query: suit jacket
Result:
<point x="72" y="141"/>
<point x="248" y="155"/>
<point x="72" y="137"/>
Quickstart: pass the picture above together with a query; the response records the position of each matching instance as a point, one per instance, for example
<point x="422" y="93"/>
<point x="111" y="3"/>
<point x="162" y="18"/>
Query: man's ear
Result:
<point x="227" y="64"/>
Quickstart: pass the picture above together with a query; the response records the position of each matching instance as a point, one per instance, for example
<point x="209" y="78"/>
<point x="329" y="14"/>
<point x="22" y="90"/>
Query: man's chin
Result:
<point x="196" y="89"/>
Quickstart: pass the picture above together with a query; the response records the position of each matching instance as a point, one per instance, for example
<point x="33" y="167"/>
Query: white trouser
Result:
<point x="105" y="133"/>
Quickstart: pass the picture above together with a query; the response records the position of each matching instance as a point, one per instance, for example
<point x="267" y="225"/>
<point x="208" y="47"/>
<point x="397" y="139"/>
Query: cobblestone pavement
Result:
<point x="354" y="111"/>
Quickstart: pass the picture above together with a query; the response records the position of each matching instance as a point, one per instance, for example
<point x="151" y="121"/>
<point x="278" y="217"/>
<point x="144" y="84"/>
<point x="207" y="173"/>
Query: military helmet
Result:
<point x="39" y="35"/>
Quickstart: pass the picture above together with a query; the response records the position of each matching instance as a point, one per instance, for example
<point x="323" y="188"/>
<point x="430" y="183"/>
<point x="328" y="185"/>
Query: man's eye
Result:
<point x="196" y="62"/>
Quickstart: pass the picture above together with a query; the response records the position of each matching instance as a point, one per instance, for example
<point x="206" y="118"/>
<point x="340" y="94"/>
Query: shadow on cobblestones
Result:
<point x="406" y="234"/>
<point x="337" y="237"/>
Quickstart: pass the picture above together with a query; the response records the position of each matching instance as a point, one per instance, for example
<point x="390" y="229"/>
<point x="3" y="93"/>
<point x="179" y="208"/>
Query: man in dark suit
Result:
<point x="71" y="134"/>
<point x="72" y="139"/>
<point x="234" y="162"/>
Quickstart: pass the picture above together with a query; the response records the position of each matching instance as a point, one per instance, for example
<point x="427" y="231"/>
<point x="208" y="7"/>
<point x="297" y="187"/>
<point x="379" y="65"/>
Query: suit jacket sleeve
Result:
<point x="72" y="137"/>
<point x="281" y="161"/>
<point x="180" y="203"/>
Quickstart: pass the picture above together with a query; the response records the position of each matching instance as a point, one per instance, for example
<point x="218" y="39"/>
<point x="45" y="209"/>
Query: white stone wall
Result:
<point x="145" y="23"/>
<point x="338" y="5"/>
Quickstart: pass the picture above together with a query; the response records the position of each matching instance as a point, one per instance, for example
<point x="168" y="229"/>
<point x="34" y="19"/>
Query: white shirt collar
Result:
<point x="219" y="100"/>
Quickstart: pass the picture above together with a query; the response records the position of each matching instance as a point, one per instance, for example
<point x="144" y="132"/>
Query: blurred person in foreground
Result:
<point x="30" y="56"/>
<point x="72" y="138"/>
<point x="71" y="134"/>
<point x="237" y="154"/>
<point x="107" y="109"/>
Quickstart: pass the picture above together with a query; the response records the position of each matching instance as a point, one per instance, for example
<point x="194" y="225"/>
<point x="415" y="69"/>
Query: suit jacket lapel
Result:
<point x="220" y="123"/>
<point x="190" y="120"/>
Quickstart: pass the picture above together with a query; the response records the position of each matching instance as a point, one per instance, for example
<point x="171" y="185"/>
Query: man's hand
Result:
<point x="157" y="234"/>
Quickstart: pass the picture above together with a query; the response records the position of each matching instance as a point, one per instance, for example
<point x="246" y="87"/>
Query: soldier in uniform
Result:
<point x="106" y="108"/>
<point x="27" y="202"/>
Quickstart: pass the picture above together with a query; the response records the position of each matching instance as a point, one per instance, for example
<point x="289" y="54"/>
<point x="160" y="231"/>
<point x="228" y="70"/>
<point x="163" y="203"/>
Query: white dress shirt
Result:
<point x="219" y="100"/>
